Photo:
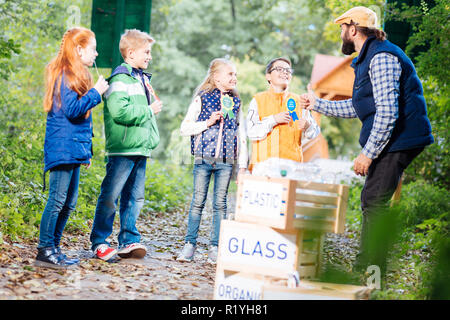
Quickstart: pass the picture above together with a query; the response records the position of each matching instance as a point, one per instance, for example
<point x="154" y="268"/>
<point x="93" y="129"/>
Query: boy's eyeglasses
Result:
<point x="280" y="69"/>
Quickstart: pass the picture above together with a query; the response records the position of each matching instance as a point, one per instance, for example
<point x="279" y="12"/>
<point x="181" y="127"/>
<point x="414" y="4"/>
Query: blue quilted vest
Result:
<point x="204" y="145"/>
<point x="412" y="128"/>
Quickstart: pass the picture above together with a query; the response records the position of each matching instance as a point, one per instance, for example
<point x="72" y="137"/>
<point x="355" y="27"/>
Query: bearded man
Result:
<point x="388" y="99"/>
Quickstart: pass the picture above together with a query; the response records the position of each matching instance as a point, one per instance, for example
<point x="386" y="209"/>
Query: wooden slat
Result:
<point x="341" y="209"/>
<point x="310" y="185"/>
<point x="307" y="271"/>
<point x="320" y="251"/>
<point x="309" y="247"/>
<point x="320" y="225"/>
<point x="315" y="212"/>
<point x="328" y="200"/>
<point x="308" y="290"/>
<point x="307" y="258"/>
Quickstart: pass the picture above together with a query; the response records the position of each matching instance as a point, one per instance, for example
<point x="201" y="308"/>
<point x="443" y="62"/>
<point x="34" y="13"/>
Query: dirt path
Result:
<point x="157" y="276"/>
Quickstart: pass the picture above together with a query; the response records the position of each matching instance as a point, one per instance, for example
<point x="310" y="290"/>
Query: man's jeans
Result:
<point x="62" y="199"/>
<point x="125" y="177"/>
<point x="202" y="174"/>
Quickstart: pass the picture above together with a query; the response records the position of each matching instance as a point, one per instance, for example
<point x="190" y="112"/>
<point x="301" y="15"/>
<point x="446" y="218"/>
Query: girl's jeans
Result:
<point x="202" y="174"/>
<point x="125" y="177"/>
<point x="62" y="199"/>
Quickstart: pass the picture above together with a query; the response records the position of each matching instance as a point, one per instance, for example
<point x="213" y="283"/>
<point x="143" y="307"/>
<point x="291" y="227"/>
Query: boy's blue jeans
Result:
<point x="202" y="174"/>
<point x="125" y="177"/>
<point x="62" y="199"/>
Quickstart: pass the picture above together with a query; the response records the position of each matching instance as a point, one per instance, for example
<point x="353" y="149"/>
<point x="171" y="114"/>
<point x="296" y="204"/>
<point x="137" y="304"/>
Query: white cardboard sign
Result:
<point x="263" y="199"/>
<point x="236" y="287"/>
<point x="256" y="248"/>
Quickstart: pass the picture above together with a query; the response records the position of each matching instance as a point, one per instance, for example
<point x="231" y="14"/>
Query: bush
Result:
<point x="421" y="201"/>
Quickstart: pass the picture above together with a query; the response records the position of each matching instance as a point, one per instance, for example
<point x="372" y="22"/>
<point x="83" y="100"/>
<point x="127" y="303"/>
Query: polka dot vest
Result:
<point x="204" y="145"/>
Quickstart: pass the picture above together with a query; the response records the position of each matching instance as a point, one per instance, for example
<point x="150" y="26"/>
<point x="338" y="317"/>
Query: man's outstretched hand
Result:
<point x="308" y="100"/>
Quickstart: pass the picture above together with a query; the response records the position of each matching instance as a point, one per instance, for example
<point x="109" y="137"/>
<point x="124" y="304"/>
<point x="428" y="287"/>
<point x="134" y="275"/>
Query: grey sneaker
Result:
<point x="187" y="254"/>
<point x="212" y="255"/>
<point x="133" y="250"/>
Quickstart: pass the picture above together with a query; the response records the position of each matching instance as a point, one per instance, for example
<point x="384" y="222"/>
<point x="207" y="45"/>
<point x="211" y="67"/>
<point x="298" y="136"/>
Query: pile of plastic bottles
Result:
<point x="319" y="170"/>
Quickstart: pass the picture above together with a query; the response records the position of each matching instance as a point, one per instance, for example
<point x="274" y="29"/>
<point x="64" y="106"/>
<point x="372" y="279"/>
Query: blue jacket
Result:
<point x="68" y="135"/>
<point x="412" y="128"/>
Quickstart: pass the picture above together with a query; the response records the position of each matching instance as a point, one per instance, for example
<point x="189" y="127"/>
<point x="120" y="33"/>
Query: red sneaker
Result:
<point x="134" y="250"/>
<point x="104" y="252"/>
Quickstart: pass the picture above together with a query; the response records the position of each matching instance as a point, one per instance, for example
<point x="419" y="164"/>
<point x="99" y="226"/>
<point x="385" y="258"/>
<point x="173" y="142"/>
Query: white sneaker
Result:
<point x="212" y="255"/>
<point x="134" y="250"/>
<point x="187" y="254"/>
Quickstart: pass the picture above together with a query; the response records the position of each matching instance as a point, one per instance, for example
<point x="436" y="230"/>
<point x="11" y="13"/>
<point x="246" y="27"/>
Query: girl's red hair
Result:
<point x="77" y="75"/>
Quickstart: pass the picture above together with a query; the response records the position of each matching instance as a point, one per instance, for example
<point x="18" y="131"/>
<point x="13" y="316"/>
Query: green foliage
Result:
<point x="430" y="37"/>
<point x="420" y="264"/>
<point x="7" y="48"/>
<point x="418" y="261"/>
<point x="341" y="137"/>
<point x="354" y="214"/>
<point x="422" y="203"/>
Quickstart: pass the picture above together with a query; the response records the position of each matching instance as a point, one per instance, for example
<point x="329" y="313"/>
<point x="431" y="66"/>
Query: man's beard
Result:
<point x="348" y="46"/>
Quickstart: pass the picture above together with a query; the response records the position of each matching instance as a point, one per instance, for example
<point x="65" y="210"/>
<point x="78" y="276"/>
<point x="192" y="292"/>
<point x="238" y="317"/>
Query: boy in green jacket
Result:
<point x="131" y="133"/>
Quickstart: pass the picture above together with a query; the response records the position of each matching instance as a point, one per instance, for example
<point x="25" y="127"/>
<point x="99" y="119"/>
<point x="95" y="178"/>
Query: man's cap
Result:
<point x="361" y="16"/>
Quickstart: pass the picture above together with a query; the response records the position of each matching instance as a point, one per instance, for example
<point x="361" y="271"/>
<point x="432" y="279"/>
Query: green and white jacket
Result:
<point x="130" y="124"/>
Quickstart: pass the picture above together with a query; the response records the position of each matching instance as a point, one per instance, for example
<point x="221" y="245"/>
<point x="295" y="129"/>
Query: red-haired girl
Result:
<point x="69" y="98"/>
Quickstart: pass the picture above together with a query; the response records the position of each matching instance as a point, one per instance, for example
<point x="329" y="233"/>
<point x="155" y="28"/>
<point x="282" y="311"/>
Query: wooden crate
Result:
<point x="230" y="285"/>
<point x="266" y="201"/>
<point x="290" y="204"/>
<point x="309" y="246"/>
<point x="257" y="249"/>
<point x="311" y="290"/>
<point x="320" y="206"/>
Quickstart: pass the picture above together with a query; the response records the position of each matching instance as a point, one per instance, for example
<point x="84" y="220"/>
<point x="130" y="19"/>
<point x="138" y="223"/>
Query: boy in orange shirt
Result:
<point x="275" y="123"/>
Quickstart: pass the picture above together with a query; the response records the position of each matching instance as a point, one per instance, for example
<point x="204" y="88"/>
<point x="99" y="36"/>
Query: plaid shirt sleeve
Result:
<point x="384" y="73"/>
<point x="339" y="108"/>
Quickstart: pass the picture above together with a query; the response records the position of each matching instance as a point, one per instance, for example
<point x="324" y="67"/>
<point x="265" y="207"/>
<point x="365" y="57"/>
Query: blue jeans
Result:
<point x="202" y="175"/>
<point x="125" y="177"/>
<point x="62" y="199"/>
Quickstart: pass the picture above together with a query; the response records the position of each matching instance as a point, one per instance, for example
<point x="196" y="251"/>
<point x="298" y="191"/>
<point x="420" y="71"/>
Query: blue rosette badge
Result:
<point x="292" y="105"/>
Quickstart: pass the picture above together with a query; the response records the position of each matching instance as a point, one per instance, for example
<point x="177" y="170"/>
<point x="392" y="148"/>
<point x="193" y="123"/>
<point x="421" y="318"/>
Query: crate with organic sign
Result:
<point x="231" y="285"/>
<point x="313" y="290"/>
